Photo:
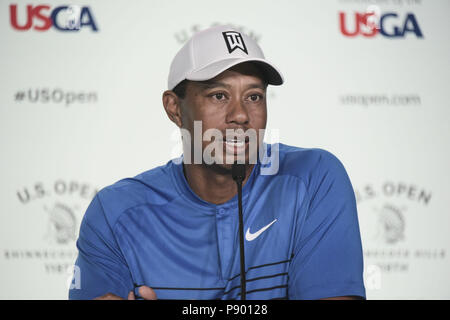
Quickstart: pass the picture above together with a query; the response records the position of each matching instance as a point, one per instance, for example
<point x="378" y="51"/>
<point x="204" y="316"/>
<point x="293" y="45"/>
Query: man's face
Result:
<point x="235" y="99"/>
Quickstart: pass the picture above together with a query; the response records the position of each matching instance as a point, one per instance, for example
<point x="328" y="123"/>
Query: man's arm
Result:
<point x="343" y="298"/>
<point x="327" y="261"/>
<point x="101" y="266"/>
<point x="145" y="293"/>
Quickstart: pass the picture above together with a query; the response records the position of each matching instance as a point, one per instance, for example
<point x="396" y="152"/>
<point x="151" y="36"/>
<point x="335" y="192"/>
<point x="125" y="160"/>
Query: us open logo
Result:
<point x="234" y="41"/>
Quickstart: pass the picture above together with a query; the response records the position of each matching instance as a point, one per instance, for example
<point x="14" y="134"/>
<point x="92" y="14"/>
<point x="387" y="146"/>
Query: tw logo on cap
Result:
<point x="234" y="41"/>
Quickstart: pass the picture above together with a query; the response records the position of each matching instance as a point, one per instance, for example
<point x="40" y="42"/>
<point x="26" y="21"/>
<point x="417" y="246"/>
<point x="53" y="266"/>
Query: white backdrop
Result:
<point x="82" y="109"/>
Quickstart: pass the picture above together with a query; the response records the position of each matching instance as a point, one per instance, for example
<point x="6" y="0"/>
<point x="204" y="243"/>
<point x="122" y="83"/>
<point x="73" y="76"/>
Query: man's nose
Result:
<point x="237" y="112"/>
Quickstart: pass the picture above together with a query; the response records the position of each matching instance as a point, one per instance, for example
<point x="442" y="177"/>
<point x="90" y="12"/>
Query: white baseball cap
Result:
<point x="214" y="50"/>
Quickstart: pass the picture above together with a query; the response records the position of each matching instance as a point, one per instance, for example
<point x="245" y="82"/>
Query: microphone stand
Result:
<point x="238" y="174"/>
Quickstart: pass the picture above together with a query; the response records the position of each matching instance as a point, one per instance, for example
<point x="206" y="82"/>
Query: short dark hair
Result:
<point x="180" y="89"/>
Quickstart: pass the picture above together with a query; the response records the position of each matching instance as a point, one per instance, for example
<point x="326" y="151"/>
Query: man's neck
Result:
<point x="211" y="183"/>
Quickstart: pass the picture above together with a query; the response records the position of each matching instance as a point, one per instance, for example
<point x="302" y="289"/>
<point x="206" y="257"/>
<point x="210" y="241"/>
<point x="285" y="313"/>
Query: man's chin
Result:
<point x="226" y="167"/>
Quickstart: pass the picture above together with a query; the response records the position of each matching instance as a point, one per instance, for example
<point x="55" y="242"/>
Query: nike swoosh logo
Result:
<point x="252" y="236"/>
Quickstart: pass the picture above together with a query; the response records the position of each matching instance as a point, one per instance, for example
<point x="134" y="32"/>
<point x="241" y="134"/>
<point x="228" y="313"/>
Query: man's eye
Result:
<point x="255" y="97"/>
<point x="219" y="96"/>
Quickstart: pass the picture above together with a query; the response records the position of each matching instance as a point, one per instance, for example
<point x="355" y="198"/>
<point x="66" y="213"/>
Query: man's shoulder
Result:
<point x="300" y="161"/>
<point x="307" y="163"/>
<point x="152" y="187"/>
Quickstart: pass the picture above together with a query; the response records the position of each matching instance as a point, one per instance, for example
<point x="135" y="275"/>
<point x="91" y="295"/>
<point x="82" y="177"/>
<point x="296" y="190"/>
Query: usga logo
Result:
<point x="42" y="18"/>
<point x="369" y="24"/>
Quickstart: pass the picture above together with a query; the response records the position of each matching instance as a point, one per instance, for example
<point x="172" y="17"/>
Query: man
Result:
<point x="172" y="232"/>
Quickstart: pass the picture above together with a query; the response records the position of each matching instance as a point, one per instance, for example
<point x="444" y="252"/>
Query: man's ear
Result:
<point x="172" y="105"/>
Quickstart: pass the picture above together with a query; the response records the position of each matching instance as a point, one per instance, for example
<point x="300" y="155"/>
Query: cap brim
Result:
<point x="271" y="73"/>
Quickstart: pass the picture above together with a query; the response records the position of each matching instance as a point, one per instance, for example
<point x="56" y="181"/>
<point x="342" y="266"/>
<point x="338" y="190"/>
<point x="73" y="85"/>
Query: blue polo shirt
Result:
<point x="302" y="236"/>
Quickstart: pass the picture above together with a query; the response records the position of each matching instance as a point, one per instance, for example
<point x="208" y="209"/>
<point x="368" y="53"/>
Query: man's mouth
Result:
<point x="235" y="142"/>
<point x="236" y="145"/>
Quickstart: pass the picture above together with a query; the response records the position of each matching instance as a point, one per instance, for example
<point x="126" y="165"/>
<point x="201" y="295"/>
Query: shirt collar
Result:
<point x="183" y="187"/>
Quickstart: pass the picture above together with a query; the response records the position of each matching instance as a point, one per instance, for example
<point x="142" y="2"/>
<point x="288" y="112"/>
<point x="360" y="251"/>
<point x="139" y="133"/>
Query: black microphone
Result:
<point x="238" y="174"/>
